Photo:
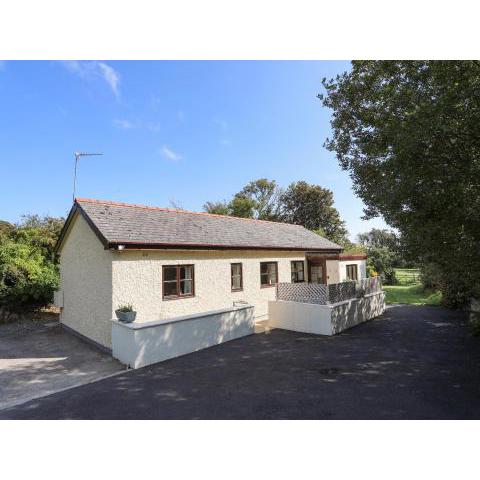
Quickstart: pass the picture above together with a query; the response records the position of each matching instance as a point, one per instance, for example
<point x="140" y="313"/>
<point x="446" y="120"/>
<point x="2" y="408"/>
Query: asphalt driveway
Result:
<point x="411" y="363"/>
<point x="37" y="359"/>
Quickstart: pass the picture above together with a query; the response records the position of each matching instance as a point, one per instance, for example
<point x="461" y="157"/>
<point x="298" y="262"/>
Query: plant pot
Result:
<point x="126" y="317"/>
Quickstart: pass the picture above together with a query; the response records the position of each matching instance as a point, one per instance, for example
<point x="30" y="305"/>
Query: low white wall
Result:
<point x="300" y="317"/>
<point x="325" y="319"/>
<point x="350" y="313"/>
<point x="141" y="344"/>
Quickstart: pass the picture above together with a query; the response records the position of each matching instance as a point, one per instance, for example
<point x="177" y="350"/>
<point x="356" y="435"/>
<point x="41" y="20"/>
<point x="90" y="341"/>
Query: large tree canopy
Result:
<point x="301" y="203"/>
<point x="408" y="133"/>
<point x="28" y="267"/>
<point x="258" y="199"/>
<point x="312" y="207"/>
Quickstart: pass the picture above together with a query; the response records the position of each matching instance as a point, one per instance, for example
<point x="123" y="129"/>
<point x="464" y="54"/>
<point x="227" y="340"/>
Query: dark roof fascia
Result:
<point x="191" y="246"/>
<point x="77" y="208"/>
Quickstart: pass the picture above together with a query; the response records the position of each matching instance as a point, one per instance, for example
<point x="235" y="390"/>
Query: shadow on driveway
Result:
<point x="43" y="359"/>
<point x="411" y="363"/>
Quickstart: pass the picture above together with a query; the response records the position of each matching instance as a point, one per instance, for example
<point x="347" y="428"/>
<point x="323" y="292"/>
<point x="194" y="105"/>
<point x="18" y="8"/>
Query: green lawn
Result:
<point x="411" y="294"/>
<point x="407" y="276"/>
<point x="409" y="291"/>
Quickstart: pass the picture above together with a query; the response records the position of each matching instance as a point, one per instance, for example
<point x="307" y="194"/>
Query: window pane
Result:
<point x="186" y="287"/>
<point x="169" y="273"/>
<point x="297" y="272"/>
<point x="186" y="272"/>
<point x="268" y="273"/>
<point x="236" y="269"/>
<point x="352" y="272"/>
<point x="236" y="282"/>
<point x="170" y="289"/>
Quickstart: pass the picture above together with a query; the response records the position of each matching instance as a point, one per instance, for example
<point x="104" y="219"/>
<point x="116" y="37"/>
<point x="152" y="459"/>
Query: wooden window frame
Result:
<point x="241" y="277"/>
<point x="276" y="275"/>
<point x="356" y="272"/>
<point x="178" y="296"/>
<point x="291" y="271"/>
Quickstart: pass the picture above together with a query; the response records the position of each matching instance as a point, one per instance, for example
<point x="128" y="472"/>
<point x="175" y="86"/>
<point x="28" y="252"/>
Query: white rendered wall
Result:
<point x="137" y="279"/>
<point x="333" y="271"/>
<point x="138" y="345"/>
<point x="325" y="319"/>
<point x="86" y="283"/>
<point x="300" y="317"/>
<point x="361" y="266"/>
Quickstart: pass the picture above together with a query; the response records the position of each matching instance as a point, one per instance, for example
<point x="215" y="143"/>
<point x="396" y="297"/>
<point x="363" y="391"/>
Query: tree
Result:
<point x="301" y="203"/>
<point x="28" y="267"/>
<point x="265" y="197"/>
<point x="40" y="231"/>
<point x="219" y="208"/>
<point x="312" y="207"/>
<point x="28" y="278"/>
<point x="377" y="237"/>
<point x="382" y="239"/>
<point x="242" y="206"/>
<point x="5" y="228"/>
<point x="407" y="132"/>
<point x="239" y="206"/>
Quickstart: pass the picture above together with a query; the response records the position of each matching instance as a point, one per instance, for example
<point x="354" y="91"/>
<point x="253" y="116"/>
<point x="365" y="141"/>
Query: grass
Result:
<point x="407" y="276"/>
<point x="411" y="294"/>
<point x="409" y="290"/>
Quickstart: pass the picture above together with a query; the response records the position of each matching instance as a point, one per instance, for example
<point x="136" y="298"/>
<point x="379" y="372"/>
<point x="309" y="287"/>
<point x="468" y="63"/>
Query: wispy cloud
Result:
<point x="123" y="124"/>
<point x="225" y="142"/>
<point x="2" y="64"/>
<point x="181" y="115"/>
<point x="169" y="154"/>
<point x="94" y="69"/>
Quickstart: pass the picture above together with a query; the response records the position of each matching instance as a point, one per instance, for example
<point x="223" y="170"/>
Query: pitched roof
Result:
<point x="140" y="226"/>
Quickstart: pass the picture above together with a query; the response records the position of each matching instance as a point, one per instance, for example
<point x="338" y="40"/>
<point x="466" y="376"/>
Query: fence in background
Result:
<point x="326" y="294"/>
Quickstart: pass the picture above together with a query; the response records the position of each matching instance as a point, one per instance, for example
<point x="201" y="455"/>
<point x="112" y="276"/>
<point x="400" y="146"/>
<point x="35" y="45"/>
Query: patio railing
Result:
<point x="326" y="294"/>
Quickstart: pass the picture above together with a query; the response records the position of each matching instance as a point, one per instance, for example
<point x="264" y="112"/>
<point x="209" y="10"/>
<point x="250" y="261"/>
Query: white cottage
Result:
<point x="174" y="264"/>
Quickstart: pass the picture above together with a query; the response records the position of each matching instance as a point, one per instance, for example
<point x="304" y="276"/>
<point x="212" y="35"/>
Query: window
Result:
<point x="178" y="281"/>
<point x="268" y="274"/>
<point x="237" y="279"/>
<point x="298" y="272"/>
<point x="352" y="272"/>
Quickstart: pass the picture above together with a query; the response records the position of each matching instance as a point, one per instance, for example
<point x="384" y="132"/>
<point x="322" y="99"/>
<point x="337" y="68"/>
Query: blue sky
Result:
<point x="182" y="131"/>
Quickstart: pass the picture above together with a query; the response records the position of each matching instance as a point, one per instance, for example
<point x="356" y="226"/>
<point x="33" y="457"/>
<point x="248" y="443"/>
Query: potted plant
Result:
<point x="125" y="313"/>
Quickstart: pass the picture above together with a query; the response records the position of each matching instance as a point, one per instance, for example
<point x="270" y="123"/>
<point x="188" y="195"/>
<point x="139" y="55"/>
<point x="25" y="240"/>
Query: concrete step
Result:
<point x="262" y="327"/>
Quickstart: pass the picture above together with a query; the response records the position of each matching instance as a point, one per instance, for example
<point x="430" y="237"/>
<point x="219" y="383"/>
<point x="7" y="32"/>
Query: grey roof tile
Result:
<point x="138" y="224"/>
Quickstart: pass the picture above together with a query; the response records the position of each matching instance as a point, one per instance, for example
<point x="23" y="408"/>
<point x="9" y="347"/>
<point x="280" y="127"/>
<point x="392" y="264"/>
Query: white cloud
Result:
<point x="169" y="154"/>
<point x="110" y="76"/>
<point x="123" y="124"/>
<point x="94" y="69"/>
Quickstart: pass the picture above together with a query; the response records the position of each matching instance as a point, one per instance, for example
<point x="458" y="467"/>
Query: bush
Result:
<point x="28" y="278"/>
<point x="28" y="266"/>
<point x="371" y="272"/>
<point x="389" y="276"/>
<point x="430" y="276"/>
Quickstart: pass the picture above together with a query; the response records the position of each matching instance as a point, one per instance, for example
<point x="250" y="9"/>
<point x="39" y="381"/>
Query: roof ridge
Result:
<point x="174" y="210"/>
